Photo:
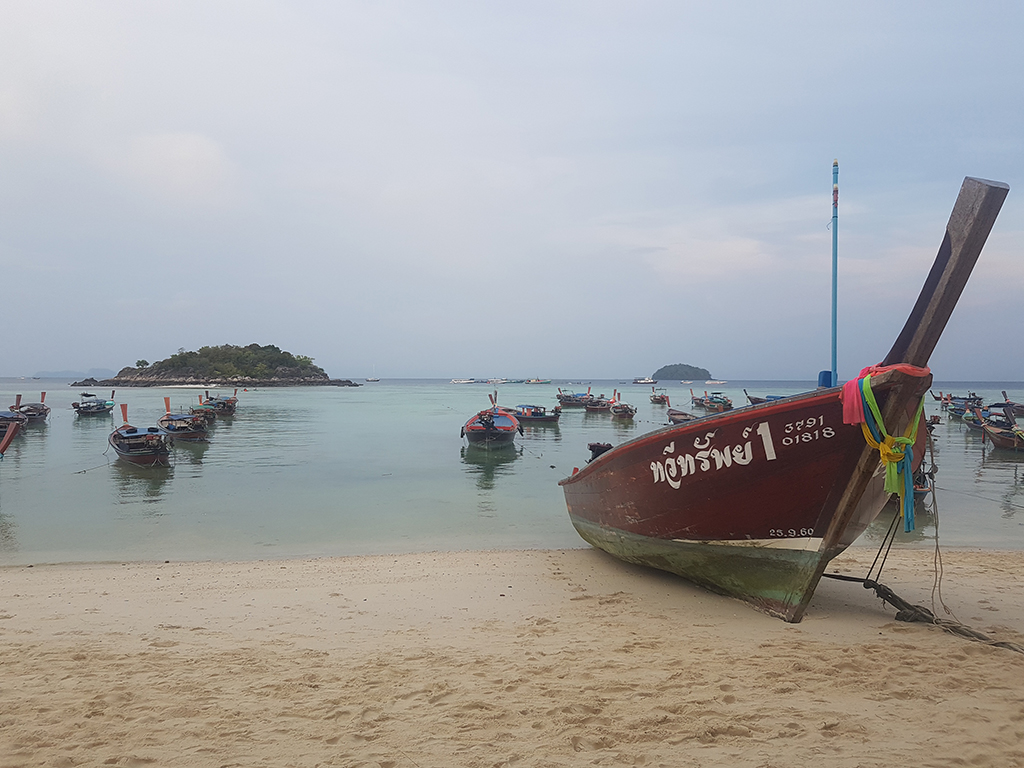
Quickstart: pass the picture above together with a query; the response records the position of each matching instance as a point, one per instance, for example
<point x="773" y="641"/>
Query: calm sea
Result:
<point x="379" y="469"/>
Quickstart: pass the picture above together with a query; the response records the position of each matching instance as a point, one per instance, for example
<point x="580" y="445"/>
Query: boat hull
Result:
<point x="739" y="502"/>
<point x="144" y="448"/>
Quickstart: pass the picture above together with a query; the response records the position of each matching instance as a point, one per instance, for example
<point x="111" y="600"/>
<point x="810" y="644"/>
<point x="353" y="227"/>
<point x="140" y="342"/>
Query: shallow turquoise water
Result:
<point x="379" y="469"/>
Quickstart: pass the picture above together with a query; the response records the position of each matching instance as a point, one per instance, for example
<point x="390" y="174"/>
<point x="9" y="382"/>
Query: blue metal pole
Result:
<point x="835" y="266"/>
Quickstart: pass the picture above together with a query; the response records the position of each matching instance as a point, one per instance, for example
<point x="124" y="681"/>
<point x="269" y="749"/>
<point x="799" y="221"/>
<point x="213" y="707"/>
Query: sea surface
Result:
<point x="381" y="468"/>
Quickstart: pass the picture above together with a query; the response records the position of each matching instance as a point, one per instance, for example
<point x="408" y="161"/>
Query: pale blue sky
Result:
<point x="551" y="189"/>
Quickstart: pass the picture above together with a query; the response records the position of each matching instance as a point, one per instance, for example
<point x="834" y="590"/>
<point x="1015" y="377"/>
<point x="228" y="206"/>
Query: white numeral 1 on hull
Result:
<point x="766" y="437"/>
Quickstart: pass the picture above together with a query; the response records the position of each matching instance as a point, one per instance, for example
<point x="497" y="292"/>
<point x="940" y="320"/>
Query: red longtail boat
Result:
<point x="754" y="503"/>
<point x="494" y="427"/>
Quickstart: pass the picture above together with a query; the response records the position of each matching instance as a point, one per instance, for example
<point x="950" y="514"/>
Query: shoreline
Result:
<point x="500" y="657"/>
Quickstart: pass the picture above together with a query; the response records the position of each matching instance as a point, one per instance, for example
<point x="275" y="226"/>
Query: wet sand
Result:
<point x="536" y="658"/>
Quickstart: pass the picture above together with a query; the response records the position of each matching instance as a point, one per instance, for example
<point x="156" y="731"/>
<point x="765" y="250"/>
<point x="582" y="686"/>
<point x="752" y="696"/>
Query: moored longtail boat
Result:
<point x="222" y="406"/>
<point x="188" y="427"/>
<point x="659" y="396"/>
<point x="90" y="405"/>
<point x="144" y="446"/>
<point x="494" y="427"/>
<point x="754" y="503"/>
<point x="34" y="412"/>
<point x="573" y="399"/>
<point x="537" y="414"/>
<point x="1008" y="436"/>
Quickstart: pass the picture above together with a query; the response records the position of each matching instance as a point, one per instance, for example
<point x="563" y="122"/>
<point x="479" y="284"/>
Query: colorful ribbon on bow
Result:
<point x="896" y="453"/>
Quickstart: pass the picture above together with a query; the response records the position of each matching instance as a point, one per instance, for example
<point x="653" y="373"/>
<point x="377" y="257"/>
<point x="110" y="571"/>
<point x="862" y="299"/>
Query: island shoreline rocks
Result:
<point x="238" y="381"/>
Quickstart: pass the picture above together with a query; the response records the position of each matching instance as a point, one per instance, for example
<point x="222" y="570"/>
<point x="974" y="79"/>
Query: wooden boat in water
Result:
<point x="659" y="396"/>
<point x="537" y="414"/>
<point x="146" y="446"/>
<point x="34" y="412"/>
<point x="10" y="425"/>
<point x="623" y="411"/>
<point x="90" y="405"/>
<point x="1018" y="408"/>
<point x="494" y="427"/>
<point x="222" y="406"/>
<point x="679" y="417"/>
<point x="573" y="399"/>
<point x="714" y="402"/>
<point x="1007" y="435"/>
<point x="756" y="400"/>
<point x="754" y="503"/>
<point x="188" y="427"/>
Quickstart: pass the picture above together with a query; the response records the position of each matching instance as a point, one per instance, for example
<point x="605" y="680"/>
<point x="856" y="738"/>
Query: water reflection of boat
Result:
<point x="485" y="465"/>
<point x="140" y="484"/>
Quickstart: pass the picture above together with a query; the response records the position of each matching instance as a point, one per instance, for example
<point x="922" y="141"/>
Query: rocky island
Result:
<point x="681" y="371"/>
<point x="226" y="366"/>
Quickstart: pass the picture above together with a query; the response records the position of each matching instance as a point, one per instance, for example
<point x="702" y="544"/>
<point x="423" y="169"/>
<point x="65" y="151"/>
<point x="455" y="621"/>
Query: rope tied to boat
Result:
<point x="895" y="451"/>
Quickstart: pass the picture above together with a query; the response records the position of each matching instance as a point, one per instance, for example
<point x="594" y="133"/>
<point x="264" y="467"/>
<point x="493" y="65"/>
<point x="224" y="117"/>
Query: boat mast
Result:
<point x="835" y="265"/>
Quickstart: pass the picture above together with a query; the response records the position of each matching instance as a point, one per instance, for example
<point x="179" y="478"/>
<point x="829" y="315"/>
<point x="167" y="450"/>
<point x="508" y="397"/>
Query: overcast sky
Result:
<point x="553" y="189"/>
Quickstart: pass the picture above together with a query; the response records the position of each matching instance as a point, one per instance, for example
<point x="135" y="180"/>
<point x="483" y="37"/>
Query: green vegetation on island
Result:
<point x="253" y="365"/>
<point x="680" y="371"/>
<point x="228" y="361"/>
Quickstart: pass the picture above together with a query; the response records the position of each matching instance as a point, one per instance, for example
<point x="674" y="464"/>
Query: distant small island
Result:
<point x="226" y="365"/>
<point x="680" y="371"/>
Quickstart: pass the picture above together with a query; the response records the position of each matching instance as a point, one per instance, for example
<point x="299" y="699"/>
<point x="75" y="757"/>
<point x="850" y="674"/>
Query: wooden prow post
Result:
<point x="973" y="216"/>
<point x="42" y="397"/>
<point x="167" y="405"/>
<point x="17" y="401"/>
<point x="124" y="412"/>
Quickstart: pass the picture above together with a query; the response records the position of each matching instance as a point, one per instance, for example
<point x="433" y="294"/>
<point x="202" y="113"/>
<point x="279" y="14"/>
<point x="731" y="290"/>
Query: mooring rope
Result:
<point x="907" y="611"/>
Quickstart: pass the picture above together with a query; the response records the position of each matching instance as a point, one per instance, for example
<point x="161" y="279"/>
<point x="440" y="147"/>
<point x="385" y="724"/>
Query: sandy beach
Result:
<point x="536" y="658"/>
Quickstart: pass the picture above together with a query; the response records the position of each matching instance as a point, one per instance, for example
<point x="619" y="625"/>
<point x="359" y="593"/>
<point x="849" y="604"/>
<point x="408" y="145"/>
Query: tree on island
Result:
<point x="680" y="371"/>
